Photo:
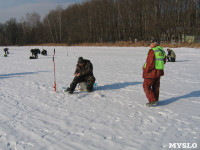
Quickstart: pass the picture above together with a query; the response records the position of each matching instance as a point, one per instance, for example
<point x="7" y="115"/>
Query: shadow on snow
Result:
<point x="173" y="99"/>
<point x="116" y="86"/>
<point x="3" y="76"/>
<point x="182" y="60"/>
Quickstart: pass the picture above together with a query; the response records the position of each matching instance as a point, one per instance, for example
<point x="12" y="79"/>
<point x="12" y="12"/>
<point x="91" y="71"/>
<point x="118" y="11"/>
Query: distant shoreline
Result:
<point x="119" y="44"/>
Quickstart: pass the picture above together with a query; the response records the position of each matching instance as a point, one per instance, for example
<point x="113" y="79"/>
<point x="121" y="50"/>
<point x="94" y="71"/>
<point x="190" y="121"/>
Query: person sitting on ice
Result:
<point x="44" y="52"/>
<point x="171" y="56"/>
<point x="83" y="73"/>
<point x="6" y="51"/>
<point x="35" y="53"/>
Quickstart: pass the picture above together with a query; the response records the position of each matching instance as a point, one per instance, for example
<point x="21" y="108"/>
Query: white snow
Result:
<point x="114" y="117"/>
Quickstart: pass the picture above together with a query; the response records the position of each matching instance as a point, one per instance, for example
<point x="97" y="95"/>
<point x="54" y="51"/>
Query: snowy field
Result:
<point x="113" y="117"/>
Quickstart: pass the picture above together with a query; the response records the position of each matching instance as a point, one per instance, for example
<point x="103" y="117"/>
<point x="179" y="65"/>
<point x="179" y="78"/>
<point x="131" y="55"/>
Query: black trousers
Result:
<point x="90" y="80"/>
<point x="170" y="59"/>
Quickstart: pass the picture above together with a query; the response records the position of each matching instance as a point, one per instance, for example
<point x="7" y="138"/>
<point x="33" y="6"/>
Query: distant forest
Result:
<point x="101" y="21"/>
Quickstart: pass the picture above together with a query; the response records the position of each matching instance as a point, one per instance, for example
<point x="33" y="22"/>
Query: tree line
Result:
<point x="96" y="21"/>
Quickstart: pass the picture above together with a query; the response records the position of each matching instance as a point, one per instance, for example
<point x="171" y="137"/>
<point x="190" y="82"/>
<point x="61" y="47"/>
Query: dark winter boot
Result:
<point x="89" y="90"/>
<point x="151" y="104"/>
<point x="172" y="59"/>
<point x="89" y="86"/>
<point x="69" y="90"/>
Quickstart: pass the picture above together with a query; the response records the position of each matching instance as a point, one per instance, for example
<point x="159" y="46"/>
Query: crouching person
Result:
<point x="171" y="56"/>
<point x="83" y="73"/>
<point x="6" y="52"/>
<point x="35" y="53"/>
<point x="44" y="52"/>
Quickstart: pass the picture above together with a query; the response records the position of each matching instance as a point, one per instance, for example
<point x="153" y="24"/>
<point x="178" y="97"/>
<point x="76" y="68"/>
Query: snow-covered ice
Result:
<point x="114" y="117"/>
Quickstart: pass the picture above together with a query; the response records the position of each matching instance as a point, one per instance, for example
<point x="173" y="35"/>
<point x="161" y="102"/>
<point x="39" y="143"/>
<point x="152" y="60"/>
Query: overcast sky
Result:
<point x="18" y="8"/>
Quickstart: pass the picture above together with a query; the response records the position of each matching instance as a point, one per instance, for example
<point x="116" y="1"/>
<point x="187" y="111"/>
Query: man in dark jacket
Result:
<point x="83" y="73"/>
<point x="152" y="71"/>
<point x="35" y="53"/>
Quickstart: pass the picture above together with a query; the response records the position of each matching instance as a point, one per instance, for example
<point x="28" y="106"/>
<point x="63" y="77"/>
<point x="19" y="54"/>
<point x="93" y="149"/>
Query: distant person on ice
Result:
<point x="153" y="69"/>
<point x="35" y="53"/>
<point x="83" y="73"/>
<point x="171" y="56"/>
<point x="44" y="52"/>
<point x="6" y="52"/>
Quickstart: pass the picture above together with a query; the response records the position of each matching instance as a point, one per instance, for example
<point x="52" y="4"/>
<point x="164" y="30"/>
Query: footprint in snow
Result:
<point x="112" y="138"/>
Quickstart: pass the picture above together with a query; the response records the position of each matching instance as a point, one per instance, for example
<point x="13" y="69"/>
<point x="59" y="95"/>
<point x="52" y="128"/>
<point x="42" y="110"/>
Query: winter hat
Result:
<point x="80" y="60"/>
<point x="156" y="42"/>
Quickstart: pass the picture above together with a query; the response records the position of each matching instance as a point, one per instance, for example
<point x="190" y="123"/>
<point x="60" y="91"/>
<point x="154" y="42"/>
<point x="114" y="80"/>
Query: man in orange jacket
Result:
<point x="153" y="69"/>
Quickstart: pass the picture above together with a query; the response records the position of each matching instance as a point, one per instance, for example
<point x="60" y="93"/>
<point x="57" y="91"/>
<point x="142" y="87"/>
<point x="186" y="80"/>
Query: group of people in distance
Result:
<point x="153" y="69"/>
<point x="35" y="53"/>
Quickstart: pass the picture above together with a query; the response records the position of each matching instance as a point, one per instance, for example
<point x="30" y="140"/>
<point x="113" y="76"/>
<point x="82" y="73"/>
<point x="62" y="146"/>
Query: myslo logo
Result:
<point x="182" y="145"/>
